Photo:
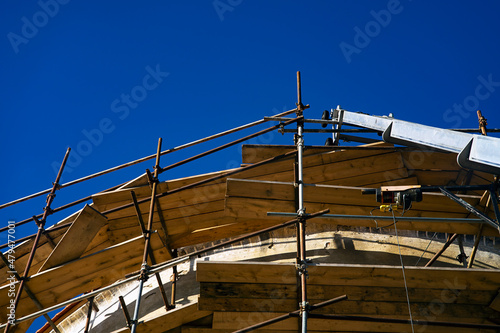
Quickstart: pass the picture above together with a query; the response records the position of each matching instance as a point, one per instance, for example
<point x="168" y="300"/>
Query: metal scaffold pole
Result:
<point x="301" y="225"/>
<point x="41" y="225"/>
<point x="144" y="268"/>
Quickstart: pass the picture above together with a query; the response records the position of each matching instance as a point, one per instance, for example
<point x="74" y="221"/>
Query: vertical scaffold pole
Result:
<point x="144" y="268"/>
<point x="301" y="227"/>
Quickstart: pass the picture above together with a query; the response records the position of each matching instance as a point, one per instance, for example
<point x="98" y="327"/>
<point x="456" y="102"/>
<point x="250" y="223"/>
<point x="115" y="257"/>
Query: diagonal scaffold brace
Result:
<point x="144" y="274"/>
<point x="41" y="225"/>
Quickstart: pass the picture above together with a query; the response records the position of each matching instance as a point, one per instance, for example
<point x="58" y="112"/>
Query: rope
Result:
<point x="403" y="268"/>
<point x="426" y="248"/>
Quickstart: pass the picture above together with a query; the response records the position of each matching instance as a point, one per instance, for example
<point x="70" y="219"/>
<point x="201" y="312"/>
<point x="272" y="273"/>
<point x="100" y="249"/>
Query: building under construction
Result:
<point x="393" y="234"/>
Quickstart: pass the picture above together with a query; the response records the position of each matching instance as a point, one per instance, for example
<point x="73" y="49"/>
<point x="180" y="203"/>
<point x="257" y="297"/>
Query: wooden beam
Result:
<point x="108" y="200"/>
<point x="250" y="208"/>
<point x="333" y="195"/>
<point x="163" y="321"/>
<point x="349" y="275"/>
<point x="76" y="239"/>
<point x="239" y="320"/>
<point x="211" y="290"/>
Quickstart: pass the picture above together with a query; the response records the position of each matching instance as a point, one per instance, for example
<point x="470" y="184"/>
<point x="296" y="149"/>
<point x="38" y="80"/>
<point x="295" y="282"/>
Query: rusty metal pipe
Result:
<point x="125" y="310"/>
<point x="30" y="294"/>
<point x="224" y="146"/>
<point x="144" y="269"/>
<point x="440" y="252"/>
<point x="58" y="209"/>
<point x="151" y="254"/>
<point x="41" y="224"/>
<point x="89" y="314"/>
<point x="291" y="314"/>
<point x="201" y="182"/>
<point x="236" y="240"/>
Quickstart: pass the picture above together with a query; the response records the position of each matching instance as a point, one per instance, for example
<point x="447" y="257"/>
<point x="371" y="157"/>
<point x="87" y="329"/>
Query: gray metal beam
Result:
<point x="476" y="152"/>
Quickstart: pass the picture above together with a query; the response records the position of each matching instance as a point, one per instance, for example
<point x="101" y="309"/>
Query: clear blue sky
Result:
<point x="125" y="73"/>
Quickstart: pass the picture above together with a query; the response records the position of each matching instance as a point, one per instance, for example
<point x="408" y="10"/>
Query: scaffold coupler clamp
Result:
<point x="151" y="179"/>
<point x="299" y="111"/>
<point x="304" y="307"/>
<point x="50" y="196"/>
<point x="302" y="268"/>
<point x="38" y="222"/>
<point x="281" y="128"/>
<point x="301" y="213"/>
<point x="144" y="276"/>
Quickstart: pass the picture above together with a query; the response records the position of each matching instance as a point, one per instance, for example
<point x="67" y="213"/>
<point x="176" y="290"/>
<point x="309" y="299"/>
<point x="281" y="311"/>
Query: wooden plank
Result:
<point x="99" y="269"/>
<point x="198" y="197"/>
<point x="210" y="290"/>
<point x="327" y="167"/>
<point x="228" y="228"/>
<point x="435" y="178"/>
<point x="239" y="320"/>
<point x="282" y="169"/>
<point x="350" y="162"/>
<point x="256" y="153"/>
<point x="177" y="227"/>
<point x="163" y="321"/>
<point x="108" y="200"/>
<point x="348" y="307"/>
<point x="77" y="238"/>
<point x="100" y="241"/>
<point x="349" y="275"/>
<point x="245" y="208"/>
<point x="333" y="195"/>
<point x="428" y="160"/>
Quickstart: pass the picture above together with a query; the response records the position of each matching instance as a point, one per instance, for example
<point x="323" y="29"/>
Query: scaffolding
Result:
<point x="471" y="155"/>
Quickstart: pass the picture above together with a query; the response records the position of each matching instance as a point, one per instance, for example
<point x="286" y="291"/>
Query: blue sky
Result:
<point x="109" y="78"/>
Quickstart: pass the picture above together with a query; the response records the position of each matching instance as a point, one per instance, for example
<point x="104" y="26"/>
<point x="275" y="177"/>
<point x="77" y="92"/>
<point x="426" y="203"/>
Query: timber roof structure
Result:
<point x="137" y="229"/>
